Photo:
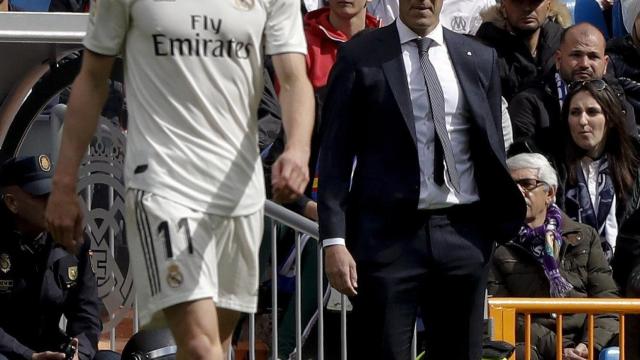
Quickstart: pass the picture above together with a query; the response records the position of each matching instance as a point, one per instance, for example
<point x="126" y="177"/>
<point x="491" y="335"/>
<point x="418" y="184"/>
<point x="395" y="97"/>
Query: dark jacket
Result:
<point x="624" y="57"/>
<point x="516" y="273"/>
<point x="36" y="289"/>
<point x="536" y="116"/>
<point x="518" y="68"/>
<point x="626" y="259"/>
<point x="368" y="115"/>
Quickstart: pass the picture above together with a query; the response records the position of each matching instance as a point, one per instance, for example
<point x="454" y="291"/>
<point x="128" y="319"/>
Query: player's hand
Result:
<point x="65" y="218"/>
<point x="290" y="175"/>
<point x="47" y="355"/>
<point x="341" y="269"/>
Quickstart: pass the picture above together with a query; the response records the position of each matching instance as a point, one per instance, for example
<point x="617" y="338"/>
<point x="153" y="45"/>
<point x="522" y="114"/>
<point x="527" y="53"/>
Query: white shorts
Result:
<point x="180" y="255"/>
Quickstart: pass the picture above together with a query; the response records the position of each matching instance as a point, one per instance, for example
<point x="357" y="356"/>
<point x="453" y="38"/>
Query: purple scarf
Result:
<point x="544" y="243"/>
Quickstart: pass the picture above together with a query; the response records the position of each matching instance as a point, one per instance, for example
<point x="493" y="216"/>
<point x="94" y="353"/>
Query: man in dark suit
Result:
<point x="418" y="108"/>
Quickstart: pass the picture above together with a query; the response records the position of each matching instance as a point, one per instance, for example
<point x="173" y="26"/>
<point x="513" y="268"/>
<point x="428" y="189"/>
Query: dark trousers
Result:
<point x="442" y="271"/>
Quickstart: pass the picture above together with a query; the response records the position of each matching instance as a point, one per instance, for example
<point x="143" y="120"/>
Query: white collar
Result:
<point x="407" y="35"/>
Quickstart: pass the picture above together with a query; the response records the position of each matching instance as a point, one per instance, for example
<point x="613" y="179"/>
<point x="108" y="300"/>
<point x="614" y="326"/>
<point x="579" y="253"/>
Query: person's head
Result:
<point x="581" y="53"/>
<point x="26" y="184"/>
<point x="421" y="16"/>
<point x="595" y="121"/>
<point x="537" y="180"/>
<point x="345" y="10"/>
<point x="594" y="116"/>
<point x="525" y="16"/>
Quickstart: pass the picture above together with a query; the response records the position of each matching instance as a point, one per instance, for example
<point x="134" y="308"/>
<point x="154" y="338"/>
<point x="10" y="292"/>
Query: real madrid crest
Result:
<point x="244" y="4"/>
<point x="174" y="276"/>
<point x="44" y="162"/>
<point x="72" y="271"/>
<point x="5" y="263"/>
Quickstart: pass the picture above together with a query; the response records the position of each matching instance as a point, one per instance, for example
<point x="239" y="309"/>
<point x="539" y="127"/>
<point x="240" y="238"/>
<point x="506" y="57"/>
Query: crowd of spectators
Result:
<point x="573" y="101"/>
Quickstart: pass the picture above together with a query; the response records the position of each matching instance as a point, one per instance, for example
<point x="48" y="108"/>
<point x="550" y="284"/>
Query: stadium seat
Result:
<point x="610" y="353"/>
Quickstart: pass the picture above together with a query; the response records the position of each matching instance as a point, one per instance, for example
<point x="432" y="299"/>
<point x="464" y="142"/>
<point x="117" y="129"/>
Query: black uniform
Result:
<point x="39" y="282"/>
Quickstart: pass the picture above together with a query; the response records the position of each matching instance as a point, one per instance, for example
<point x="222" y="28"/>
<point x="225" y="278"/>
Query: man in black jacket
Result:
<point x="39" y="280"/>
<point x="525" y="39"/>
<point x="535" y="112"/>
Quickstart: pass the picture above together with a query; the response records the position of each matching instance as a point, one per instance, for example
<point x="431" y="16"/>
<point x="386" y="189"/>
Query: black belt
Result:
<point x="472" y="209"/>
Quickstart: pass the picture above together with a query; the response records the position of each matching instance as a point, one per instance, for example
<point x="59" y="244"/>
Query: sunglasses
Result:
<point x="529" y="185"/>
<point x="597" y="85"/>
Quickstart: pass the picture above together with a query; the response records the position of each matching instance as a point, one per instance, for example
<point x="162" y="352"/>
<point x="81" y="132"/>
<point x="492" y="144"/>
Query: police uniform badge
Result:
<point x="44" y="162"/>
<point x="72" y="272"/>
<point x="5" y="263"/>
<point x="174" y="276"/>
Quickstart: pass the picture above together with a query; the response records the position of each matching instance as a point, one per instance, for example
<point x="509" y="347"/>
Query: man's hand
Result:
<point x="341" y="269"/>
<point x="76" y="345"/>
<point x="65" y="218"/>
<point x="580" y="352"/>
<point x="290" y="175"/>
<point x="47" y="355"/>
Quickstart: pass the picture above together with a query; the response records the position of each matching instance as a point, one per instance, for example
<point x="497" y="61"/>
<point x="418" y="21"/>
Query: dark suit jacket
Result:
<point x="368" y="114"/>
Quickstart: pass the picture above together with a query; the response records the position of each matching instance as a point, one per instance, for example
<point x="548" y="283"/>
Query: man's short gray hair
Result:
<point x="535" y="161"/>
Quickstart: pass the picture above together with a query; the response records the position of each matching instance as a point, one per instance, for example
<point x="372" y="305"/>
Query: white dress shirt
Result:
<point x="433" y="196"/>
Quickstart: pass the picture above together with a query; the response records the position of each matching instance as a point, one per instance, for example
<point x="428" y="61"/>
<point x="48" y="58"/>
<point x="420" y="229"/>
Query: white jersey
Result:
<point x="193" y="75"/>
<point x="463" y="16"/>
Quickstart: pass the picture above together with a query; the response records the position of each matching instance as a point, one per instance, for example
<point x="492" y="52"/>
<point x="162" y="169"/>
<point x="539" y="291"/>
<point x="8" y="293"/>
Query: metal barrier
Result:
<point x="302" y="226"/>
<point x="503" y="313"/>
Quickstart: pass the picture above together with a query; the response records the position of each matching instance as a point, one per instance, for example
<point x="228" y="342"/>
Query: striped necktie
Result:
<point x="442" y="146"/>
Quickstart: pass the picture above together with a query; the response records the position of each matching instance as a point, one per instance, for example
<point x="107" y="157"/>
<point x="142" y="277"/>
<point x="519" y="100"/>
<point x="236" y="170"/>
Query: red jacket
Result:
<point x="323" y="41"/>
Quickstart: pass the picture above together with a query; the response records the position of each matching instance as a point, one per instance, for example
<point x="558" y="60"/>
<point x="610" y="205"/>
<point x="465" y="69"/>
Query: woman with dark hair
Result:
<point x="602" y="186"/>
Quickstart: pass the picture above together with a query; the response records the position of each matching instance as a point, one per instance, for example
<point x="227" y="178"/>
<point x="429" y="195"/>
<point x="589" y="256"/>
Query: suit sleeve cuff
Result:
<point x="332" y="241"/>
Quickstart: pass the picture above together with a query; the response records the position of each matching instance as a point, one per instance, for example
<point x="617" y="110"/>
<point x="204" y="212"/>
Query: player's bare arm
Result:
<point x="88" y="94"/>
<point x="291" y="172"/>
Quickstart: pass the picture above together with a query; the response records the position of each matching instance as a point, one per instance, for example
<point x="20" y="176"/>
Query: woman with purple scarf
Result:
<point x="552" y="256"/>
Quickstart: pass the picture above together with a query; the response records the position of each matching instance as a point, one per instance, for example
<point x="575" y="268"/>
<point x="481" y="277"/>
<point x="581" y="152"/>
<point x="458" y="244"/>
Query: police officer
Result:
<point x="39" y="280"/>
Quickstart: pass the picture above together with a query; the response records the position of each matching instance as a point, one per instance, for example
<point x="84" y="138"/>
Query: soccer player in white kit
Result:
<point x="195" y="188"/>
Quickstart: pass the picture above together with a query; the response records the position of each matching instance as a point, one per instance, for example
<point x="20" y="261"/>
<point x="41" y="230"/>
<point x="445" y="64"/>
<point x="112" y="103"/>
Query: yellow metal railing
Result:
<point x="503" y="312"/>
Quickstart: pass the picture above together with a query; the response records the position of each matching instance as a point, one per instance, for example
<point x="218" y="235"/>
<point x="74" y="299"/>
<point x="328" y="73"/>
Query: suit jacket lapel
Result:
<point x="467" y="74"/>
<point x="464" y="64"/>
<point x="395" y="73"/>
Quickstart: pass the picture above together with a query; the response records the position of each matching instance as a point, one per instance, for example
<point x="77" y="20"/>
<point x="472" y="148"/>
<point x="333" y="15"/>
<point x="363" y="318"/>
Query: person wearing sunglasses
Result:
<point x="552" y="256"/>
<point x="599" y="167"/>
<point x="601" y="179"/>
<point x="535" y="112"/>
